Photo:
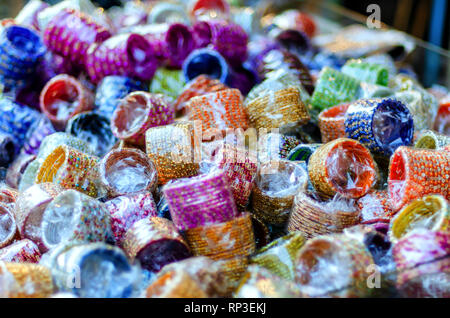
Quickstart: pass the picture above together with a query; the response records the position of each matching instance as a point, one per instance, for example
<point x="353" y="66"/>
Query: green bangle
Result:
<point x="367" y="72"/>
<point x="168" y="82"/>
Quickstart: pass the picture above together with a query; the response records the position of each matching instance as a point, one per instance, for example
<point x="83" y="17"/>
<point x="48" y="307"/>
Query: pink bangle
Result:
<point x="23" y="251"/>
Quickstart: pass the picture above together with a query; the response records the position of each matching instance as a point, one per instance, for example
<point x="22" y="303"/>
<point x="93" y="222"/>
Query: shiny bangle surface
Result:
<point x="36" y="135"/>
<point x="274" y="146"/>
<point x="332" y="122"/>
<point x="168" y="82"/>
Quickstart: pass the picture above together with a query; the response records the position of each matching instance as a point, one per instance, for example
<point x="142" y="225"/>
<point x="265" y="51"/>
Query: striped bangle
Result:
<point x="367" y="72"/>
<point x="375" y="207"/>
<point x="8" y="224"/>
<point x="342" y="166"/>
<point x="430" y="212"/>
<point x="313" y="216"/>
<point x="414" y="173"/>
<point x="29" y="280"/>
<point x="432" y="140"/>
<point x="302" y="152"/>
<point x="154" y="242"/>
<point x="23" y="251"/>
<point x="331" y="122"/>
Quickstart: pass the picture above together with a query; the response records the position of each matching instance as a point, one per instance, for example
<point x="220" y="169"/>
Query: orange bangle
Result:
<point x="331" y="122"/>
<point x="175" y="284"/>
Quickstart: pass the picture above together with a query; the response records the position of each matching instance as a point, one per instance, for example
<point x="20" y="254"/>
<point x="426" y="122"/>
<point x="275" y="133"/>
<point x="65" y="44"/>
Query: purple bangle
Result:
<point x="201" y="200"/>
<point x="180" y="43"/>
<point x="23" y="251"/>
<point x="36" y="134"/>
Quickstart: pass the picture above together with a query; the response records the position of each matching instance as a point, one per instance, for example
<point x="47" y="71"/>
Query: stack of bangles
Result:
<point x="302" y="152"/>
<point x="331" y="122"/>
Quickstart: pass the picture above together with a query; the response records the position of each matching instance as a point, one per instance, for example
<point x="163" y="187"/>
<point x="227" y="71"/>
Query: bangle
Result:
<point x="233" y="270"/>
<point x="333" y="88"/>
<point x="302" y="152"/>
<point x="8" y="149"/>
<point x="16" y="169"/>
<point x="279" y="255"/>
<point x="331" y="122"/>
<point x="75" y="217"/>
<point x="270" y="203"/>
<point x="223" y="241"/>
<point x="416" y="103"/>
<point x="28" y="280"/>
<point x="373" y="73"/>
<point x="315" y="216"/>
<point x="342" y="166"/>
<point x="320" y="256"/>
<point x="291" y="39"/>
<point x="62" y="98"/>
<point x="209" y="62"/>
<point x="71" y="169"/>
<point x="138" y="112"/>
<point x="127" y="210"/>
<point x="430" y="212"/>
<point x="8" y="224"/>
<point x="376" y="207"/>
<point x="30" y="207"/>
<point x="175" y="284"/>
<point x="442" y="120"/>
<point x="154" y="242"/>
<point x="414" y="173"/>
<point x="168" y="82"/>
<point x="382" y="125"/>
<point x="36" y="134"/>
<point x="432" y="140"/>
<point x="123" y="54"/>
<point x="276" y="146"/>
<point x="201" y="9"/>
<point x="218" y="112"/>
<point x="164" y="12"/>
<point x="8" y="196"/>
<point x="23" y="251"/>
<point x="201" y="200"/>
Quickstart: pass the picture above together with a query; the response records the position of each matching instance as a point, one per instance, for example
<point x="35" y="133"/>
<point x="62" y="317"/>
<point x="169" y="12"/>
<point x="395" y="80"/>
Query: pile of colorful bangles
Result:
<point x="206" y="149"/>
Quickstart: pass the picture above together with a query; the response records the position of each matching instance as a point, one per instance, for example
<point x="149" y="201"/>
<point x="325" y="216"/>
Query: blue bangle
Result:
<point x="381" y="125"/>
<point x="209" y="62"/>
<point x="302" y="152"/>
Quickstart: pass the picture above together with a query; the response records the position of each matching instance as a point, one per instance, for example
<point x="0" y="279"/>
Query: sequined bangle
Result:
<point x="23" y="251"/>
<point x="36" y="134"/>
<point x="279" y="255"/>
<point x="62" y="98"/>
<point x="430" y="212"/>
<point x="323" y="254"/>
<point x="168" y="82"/>
<point x="382" y="125"/>
<point x="333" y="88"/>
<point x="432" y="140"/>
<point x="138" y="112"/>
<point x="315" y="216"/>
<point x="8" y="224"/>
<point x="276" y="184"/>
<point x="331" y="122"/>
<point x="71" y="32"/>
<point x="375" y="207"/>
<point x="175" y="285"/>
<point x="28" y="280"/>
<point x="414" y="173"/>
<point x="302" y="152"/>
<point x="367" y="72"/>
<point x="342" y="166"/>
<point x="201" y="200"/>
<point x="75" y="217"/>
<point x="71" y="169"/>
<point x="218" y="112"/>
<point x="30" y="207"/>
<point x="276" y="146"/>
<point x="8" y="149"/>
<point x="174" y="150"/>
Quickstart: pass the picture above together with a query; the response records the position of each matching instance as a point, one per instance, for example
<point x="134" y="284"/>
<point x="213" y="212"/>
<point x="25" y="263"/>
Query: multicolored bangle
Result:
<point x="373" y="73"/>
<point x="342" y="166"/>
<point x="8" y="149"/>
<point x="270" y="203"/>
<point x="414" y="173"/>
<point x="201" y="200"/>
<point x="313" y="215"/>
<point x="174" y="150"/>
<point x="8" y="225"/>
<point x="155" y="242"/>
<point x="430" y="139"/>
<point x="138" y="112"/>
<point x="168" y="82"/>
<point x="23" y="251"/>
<point x="332" y="122"/>
<point x="36" y="134"/>
<point x="302" y="152"/>
<point x="375" y="207"/>
<point x="28" y="280"/>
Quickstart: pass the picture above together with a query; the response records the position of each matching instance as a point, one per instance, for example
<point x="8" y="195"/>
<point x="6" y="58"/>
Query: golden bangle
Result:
<point x="175" y="284"/>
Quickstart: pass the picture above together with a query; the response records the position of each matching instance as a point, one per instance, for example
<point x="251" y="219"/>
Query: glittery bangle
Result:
<point x="315" y="216"/>
<point x="173" y="149"/>
<point x="375" y="207"/>
<point x="8" y="225"/>
<point x="201" y="200"/>
<point x="218" y="111"/>
<point x="366" y="72"/>
<point x="333" y="88"/>
<point x="155" y="242"/>
<point x="175" y="285"/>
<point x="168" y="82"/>
<point x="8" y="149"/>
<point x="274" y="146"/>
<point x="342" y="166"/>
<point x="138" y="112"/>
<point x="430" y="212"/>
<point x="382" y="125"/>
<point x="75" y="217"/>
<point x="302" y="152"/>
<point x="36" y="134"/>
<point x="414" y="173"/>
<point x="28" y="280"/>
<point x="432" y="140"/>
<point x="62" y="98"/>
<point x="71" y="169"/>
<point x="331" y="122"/>
<point x="23" y="251"/>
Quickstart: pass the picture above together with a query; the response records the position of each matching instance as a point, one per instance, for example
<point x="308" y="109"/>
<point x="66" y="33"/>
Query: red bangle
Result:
<point x="331" y="122"/>
<point x="23" y="251"/>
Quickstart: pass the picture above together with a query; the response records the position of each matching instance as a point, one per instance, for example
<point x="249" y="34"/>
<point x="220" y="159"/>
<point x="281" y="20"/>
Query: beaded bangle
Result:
<point x="223" y="241"/>
<point x="175" y="284"/>
<point x="430" y="212"/>
<point x="218" y="111"/>
<point x="155" y="242"/>
<point x="123" y="54"/>
<point x="8" y="149"/>
<point x="276" y="185"/>
<point x="333" y="88"/>
<point x="28" y="280"/>
<point x="75" y="217"/>
<point x="432" y="140"/>
<point x="30" y="207"/>
<point x="342" y="166"/>
<point x="322" y="255"/>
<point x="302" y="152"/>
<point x="331" y="122"/>
<point x="315" y="216"/>
<point x="8" y="225"/>
<point x="375" y="207"/>
<point x="275" y="146"/>
<point x="62" y="98"/>
<point x="71" y="169"/>
<point x="367" y="72"/>
<point x="201" y="200"/>
<point x="168" y="82"/>
<point x="382" y="125"/>
<point x="138" y="112"/>
<point x="36" y="134"/>
<point x="278" y="256"/>
<point x="173" y="149"/>
<point x="23" y="251"/>
<point x="71" y="32"/>
<point x="414" y="173"/>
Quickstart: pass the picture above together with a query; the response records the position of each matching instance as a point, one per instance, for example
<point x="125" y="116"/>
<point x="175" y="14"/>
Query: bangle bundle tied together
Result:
<point x="332" y="122"/>
<point x="23" y="251"/>
<point x="376" y="207"/>
<point x="367" y="72"/>
<point x="27" y="280"/>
